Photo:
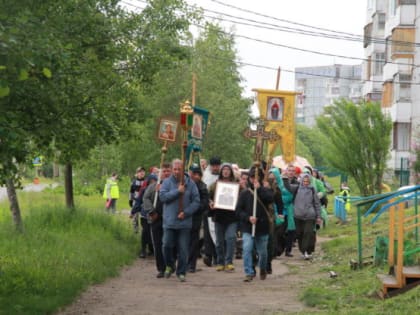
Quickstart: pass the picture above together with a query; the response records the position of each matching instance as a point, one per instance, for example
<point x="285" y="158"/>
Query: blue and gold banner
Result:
<point x="197" y="132"/>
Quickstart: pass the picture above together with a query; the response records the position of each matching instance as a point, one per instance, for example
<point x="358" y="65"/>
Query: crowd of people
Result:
<point x="273" y="210"/>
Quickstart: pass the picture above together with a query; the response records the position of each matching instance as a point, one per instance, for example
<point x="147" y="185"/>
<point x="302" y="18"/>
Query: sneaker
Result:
<point x="307" y="256"/>
<point x="288" y="254"/>
<point x="181" y="278"/>
<point x="248" y="278"/>
<point x="220" y="268"/>
<point x="168" y="272"/>
<point x="263" y="275"/>
<point x="142" y="254"/>
<point x="161" y="274"/>
<point x="230" y="268"/>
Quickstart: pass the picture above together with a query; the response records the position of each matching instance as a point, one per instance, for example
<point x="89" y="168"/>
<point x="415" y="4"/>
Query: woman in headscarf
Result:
<point x="307" y="213"/>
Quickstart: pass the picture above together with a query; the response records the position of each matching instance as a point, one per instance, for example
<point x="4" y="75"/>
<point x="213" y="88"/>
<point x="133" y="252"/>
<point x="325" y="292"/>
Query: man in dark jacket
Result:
<point x="244" y="210"/>
<point x="196" y="175"/>
<point x="138" y="183"/>
<point x="154" y="213"/>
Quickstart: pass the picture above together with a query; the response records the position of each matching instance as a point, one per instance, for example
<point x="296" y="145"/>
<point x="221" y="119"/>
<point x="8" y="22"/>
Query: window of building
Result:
<point x="401" y="136"/>
<point x="402" y="2"/>
<point x="380" y="20"/>
<point x="335" y="90"/>
<point x="393" y="4"/>
<point x="402" y="88"/>
<point x="379" y="63"/>
<point x="376" y="96"/>
<point x="405" y="92"/>
<point x="388" y="49"/>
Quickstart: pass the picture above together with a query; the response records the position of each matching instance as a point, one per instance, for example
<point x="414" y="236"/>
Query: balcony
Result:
<point x="405" y="15"/>
<point x="400" y="112"/>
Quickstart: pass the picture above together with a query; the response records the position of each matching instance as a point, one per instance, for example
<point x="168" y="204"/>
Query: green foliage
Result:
<point x="60" y="253"/>
<point x="219" y="90"/>
<point x="163" y="30"/>
<point x="212" y="59"/>
<point x="314" y="141"/>
<point x="358" y="142"/>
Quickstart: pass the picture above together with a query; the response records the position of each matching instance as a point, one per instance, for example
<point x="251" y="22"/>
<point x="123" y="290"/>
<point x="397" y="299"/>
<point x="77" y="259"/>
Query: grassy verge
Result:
<point x="354" y="291"/>
<point x="60" y="253"/>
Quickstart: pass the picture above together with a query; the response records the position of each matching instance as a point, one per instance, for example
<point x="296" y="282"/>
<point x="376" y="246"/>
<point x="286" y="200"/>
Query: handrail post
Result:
<point x="416" y="212"/>
<point x="359" y="233"/>
<point x="400" y="250"/>
<point x="391" y="237"/>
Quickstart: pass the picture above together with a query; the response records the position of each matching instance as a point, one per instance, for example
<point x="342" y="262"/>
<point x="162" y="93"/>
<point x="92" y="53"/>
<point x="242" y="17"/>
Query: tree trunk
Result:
<point x="14" y="205"/>
<point x="68" y="185"/>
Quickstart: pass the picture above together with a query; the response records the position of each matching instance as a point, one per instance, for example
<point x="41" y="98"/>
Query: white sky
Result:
<point x="339" y="15"/>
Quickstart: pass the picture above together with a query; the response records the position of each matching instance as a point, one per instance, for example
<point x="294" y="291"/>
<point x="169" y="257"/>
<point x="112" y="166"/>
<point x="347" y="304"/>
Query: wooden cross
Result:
<point x="260" y="135"/>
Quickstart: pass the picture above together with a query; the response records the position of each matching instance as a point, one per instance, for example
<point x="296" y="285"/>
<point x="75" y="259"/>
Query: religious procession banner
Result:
<point x="277" y="108"/>
<point x="197" y="133"/>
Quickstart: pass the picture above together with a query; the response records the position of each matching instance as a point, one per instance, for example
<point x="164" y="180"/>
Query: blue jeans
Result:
<point x="225" y="242"/>
<point x="181" y="239"/>
<point x="248" y="247"/>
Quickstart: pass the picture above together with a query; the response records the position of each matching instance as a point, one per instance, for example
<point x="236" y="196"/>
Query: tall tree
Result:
<point x="219" y="90"/>
<point x="358" y="142"/>
<point x="61" y="85"/>
<point x="314" y="141"/>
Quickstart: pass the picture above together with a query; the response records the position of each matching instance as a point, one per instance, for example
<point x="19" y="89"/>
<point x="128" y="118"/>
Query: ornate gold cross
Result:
<point x="260" y="135"/>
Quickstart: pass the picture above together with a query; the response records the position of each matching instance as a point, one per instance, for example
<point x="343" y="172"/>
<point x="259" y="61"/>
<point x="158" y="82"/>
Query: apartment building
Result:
<point x="389" y="74"/>
<point x="321" y="85"/>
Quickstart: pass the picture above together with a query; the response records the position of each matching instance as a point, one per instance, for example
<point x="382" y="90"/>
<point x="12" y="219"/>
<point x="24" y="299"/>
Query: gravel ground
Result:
<point x="137" y="291"/>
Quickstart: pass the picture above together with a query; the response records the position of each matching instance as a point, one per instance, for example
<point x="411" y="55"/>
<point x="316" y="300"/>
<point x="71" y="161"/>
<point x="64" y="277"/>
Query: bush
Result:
<point x="61" y="252"/>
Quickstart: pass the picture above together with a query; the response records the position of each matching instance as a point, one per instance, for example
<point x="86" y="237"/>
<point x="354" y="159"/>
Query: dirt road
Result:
<point x="138" y="291"/>
<point x="28" y="187"/>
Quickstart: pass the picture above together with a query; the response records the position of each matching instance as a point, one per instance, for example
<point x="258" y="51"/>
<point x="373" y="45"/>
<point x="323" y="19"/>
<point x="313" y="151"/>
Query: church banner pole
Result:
<point x="254" y="205"/>
<point x="278" y="78"/>
<point x="186" y="120"/>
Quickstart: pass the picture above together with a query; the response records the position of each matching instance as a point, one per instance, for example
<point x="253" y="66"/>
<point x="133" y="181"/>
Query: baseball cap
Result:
<point x="195" y="168"/>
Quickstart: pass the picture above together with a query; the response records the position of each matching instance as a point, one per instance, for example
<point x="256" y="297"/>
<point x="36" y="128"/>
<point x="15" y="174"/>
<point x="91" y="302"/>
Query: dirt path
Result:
<point x="28" y="187"/>
<point x="138" y="291"/>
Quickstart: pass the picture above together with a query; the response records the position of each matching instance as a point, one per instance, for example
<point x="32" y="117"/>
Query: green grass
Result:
<point x="60" y="253"/>
<point x="354" y="291"/>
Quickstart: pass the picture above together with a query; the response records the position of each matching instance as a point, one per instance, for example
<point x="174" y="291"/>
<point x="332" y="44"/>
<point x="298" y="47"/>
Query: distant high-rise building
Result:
<point x="321" y="85"/>
<point x="389" y="73"/>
